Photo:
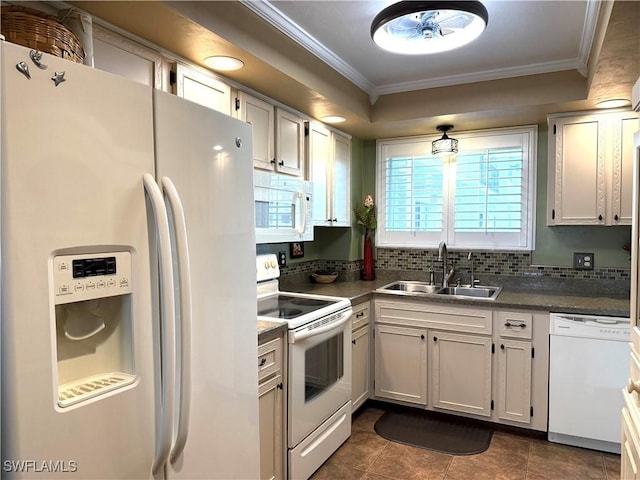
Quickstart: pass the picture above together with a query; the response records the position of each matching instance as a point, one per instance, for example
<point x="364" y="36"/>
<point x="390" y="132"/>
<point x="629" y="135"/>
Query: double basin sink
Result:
<point x="426" y="289"/>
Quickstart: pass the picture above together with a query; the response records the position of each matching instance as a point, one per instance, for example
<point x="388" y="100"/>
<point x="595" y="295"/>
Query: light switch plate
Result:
<point x="583" y="261"/>
<point x="282" y="258"/>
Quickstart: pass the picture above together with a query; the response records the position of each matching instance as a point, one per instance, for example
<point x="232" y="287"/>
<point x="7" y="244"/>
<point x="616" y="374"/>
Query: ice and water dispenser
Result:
<point x="94" y="325"/>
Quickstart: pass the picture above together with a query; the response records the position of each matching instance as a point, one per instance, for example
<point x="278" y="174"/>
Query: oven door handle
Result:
<point x="297" y="336"/>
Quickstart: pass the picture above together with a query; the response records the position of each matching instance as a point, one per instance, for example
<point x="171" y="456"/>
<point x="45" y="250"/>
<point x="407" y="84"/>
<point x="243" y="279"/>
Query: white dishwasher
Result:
<point x="588" y="368"/>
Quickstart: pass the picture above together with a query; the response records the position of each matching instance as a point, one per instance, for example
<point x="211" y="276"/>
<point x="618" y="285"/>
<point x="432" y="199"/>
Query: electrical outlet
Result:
<point x="583" y="261"/>
<point x="282" y="258"/>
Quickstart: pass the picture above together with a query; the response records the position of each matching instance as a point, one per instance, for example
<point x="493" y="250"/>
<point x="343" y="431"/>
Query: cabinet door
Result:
<point x="624" y="127"/>
<point x="359" y="367"/>
<point x="341" y="181"/>
<point x="270" y="408"/>
<point x="203" y="89"/>
<point x="514" y="380"/>
<point x="319" y="153"/>
<point x="460" y="372"/>
<point x="580" y="183"/>
<point x="401" y="364"/>
<point x="260" y="115"/>
<point x="289" y="143"/>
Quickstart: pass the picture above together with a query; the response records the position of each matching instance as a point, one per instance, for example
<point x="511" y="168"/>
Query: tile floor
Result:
<point x="368" y="456"/>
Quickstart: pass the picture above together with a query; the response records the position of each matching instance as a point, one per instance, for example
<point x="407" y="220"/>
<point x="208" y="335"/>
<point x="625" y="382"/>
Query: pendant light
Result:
<point x="421" y="27"/>
<point x="444" y="145"/>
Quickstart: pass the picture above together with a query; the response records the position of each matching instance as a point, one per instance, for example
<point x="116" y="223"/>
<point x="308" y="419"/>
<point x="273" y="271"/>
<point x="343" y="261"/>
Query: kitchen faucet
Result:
<point x="473" y="277"/>
<point x="443" y="257"/>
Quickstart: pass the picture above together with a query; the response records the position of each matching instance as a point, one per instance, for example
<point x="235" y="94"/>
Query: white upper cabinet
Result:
<point x="203" y="89"/>
<point x="590" y="168"/>
<point x="278" y="135"/>
<point x="329" y="157"/>
<point x="116" y="54"/>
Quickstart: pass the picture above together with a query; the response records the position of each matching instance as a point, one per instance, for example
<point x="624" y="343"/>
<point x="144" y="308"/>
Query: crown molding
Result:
<point x="269" y="13"/>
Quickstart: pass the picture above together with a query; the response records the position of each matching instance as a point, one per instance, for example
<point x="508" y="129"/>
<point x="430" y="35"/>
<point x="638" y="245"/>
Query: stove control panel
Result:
<point x="267" y="267"/>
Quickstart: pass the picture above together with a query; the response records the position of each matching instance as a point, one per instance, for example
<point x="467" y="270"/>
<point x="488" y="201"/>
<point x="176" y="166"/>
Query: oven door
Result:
<point x="319" y="373"/>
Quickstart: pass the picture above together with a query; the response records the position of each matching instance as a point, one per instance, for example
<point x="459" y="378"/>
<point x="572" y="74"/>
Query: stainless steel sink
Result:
<point x="490" y="293"/>
<point x="411" y="287"/>
<point x="425" y="289"/>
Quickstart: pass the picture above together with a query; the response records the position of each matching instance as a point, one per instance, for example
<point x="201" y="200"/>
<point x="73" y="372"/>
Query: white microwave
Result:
<point x="282" y="208"/>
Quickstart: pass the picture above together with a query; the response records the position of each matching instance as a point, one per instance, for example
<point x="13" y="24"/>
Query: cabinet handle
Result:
<point x="353" y="341"/>
<point x="422" y="337"/>
<point x="273" y="161"/>
<point x="435" y="339"/>
<point x="328" y="220"/>
<point x="334" y="220"/>
<point x="281" y="163"/>
<point x="633" y="386"/>
<point x="263" y="361"/>
<point x="280" y="386"/>
<point x="600" y="217"/>
<point x="501" y="347"/>
<point x="509" y="324"/>
<point x="616" y="217"/>
<point x="360" y="315"/>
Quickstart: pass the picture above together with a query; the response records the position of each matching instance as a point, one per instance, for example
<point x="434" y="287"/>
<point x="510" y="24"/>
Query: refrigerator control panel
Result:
<point x="90" y="276"/>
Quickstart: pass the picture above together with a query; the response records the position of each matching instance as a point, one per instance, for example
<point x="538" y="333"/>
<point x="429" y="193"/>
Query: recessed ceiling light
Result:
<point x="614" y="103"/>
<point x="419" y="27"/>
<point x="333" y="119"/>
<point x="220" y="62"/>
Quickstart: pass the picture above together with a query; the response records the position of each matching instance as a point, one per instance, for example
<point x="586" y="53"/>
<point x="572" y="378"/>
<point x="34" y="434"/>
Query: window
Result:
<point x="482" y="197"/>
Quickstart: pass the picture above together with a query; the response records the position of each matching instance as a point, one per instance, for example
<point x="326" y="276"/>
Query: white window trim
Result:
<point x="422" y="145"/>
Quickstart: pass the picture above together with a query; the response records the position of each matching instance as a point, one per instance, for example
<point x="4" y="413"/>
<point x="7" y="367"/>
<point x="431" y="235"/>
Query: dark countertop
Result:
<point x="268" y="330"/>
<point x="528" y="299"/>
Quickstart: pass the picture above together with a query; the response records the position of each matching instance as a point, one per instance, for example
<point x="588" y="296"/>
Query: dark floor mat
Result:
<point x="422" y="429"/>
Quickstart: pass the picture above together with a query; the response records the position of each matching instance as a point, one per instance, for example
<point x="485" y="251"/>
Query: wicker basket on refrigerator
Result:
<point x="40" y="31"/>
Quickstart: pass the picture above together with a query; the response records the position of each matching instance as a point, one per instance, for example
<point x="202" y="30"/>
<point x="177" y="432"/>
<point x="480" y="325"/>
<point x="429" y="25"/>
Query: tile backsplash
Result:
<point x="514" y="268"/>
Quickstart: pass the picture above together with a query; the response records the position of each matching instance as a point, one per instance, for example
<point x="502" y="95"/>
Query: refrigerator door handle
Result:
<point x="186" y="315"/>
<point x="164" y="436"/>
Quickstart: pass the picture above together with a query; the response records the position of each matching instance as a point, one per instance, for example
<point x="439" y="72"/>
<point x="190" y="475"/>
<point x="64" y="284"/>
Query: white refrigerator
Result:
<point x="128" y="339"/>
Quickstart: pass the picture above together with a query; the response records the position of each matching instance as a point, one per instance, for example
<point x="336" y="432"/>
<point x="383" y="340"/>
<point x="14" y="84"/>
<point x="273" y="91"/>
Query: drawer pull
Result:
<point x="521" y="325"/>
<point x="279" y="386"/>
<point x="360" y="315"/>
<point x="262" y="362"/>
<point x="633" y="386"/>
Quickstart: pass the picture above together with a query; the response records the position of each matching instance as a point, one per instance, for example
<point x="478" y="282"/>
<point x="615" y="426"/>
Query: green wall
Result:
<point x="554" y="246"/>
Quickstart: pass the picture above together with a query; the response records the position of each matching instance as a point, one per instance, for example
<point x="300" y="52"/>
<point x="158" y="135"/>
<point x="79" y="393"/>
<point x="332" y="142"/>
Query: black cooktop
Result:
<point x="288" y="307"/>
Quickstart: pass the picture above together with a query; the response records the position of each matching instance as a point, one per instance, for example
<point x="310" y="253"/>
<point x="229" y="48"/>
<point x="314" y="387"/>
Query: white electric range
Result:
<point x="319" y="367"/>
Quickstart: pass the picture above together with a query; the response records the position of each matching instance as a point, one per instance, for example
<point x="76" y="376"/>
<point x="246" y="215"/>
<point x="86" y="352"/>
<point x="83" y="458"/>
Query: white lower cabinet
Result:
<point x="630" y="462"/>
<point x="360" y="356"/>
<point x="468" y="360"/>
<point x="460" y="372"/>
<point x="401" y="364"/>
<point x="514" y="380"/>
<point x="271" y="409"/>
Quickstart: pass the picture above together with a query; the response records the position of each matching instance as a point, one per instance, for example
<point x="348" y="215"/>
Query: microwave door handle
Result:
<point x="164" y="435"/>
<point x="300" y="196"/>
<point x="186" y="315"/>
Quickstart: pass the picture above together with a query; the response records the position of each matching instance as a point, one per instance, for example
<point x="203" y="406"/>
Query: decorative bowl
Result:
<point x="324" y="277"/>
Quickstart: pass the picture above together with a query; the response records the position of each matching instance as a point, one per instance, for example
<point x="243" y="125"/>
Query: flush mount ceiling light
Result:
<point x="333" y="119"/>
<point x="223" y="63"/>
<point x="614" y="103"/>
<point x="444" y="145"/>
<point x="416" y="27"/>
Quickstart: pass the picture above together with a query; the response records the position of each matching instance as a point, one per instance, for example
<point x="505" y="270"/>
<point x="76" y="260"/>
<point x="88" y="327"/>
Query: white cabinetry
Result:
<point x="360" y="359"/>
<point x="271" y="409"/>
<point x="465" y="359"/>
<point x="278" y="135"/>
<point x="401" y="364"/>
<point x="514" y="366"/>
<point x="329" y="160"/>
<point x="460" y="373"/>
<point x="590" y="168"/>
<point x="202" y="88"/>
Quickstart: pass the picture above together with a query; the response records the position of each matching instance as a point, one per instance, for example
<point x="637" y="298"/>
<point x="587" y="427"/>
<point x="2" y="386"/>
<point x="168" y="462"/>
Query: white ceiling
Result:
<point x="522" y="38"/>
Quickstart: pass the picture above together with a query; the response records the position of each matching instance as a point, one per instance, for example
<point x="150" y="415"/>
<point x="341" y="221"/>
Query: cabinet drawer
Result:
<point x="360" y="315"/>
<point x="515" y="324"/>
<point x="269" y="358"/>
